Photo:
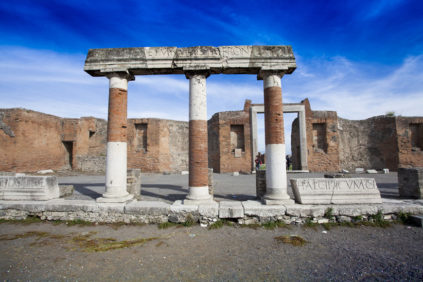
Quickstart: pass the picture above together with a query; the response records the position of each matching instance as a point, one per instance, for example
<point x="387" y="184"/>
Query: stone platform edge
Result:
<point x="246" y="212"/>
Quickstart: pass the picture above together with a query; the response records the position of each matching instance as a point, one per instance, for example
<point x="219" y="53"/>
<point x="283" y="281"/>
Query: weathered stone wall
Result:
<point x="163" y="146"/>
<point x="370" y="143"/>
<point x="410" y="141"/>
<point x="230" y="141"/>
<point x="31" y="141"/>
<point x="322" y="140"/>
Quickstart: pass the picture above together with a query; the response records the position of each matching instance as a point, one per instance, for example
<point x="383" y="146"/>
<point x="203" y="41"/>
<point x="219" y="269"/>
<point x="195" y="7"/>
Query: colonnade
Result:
<point x="116" y="161"/>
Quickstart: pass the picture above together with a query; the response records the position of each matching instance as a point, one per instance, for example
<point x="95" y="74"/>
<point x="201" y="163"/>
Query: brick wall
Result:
<point x="230" y="132"/>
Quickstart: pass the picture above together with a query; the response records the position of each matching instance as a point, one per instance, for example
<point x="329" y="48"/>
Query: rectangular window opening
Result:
<point x="319" y="137"/>
<point x="141" y="137"/>
<point x="416" y="130"/>
<point x="237" y="137"/>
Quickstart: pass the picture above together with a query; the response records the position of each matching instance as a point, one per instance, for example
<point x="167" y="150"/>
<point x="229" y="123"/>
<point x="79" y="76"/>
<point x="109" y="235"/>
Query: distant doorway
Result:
<point x="68" y="153"/>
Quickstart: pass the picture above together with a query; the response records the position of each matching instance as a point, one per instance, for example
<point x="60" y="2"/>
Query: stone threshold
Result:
<point x="159" y="212"/>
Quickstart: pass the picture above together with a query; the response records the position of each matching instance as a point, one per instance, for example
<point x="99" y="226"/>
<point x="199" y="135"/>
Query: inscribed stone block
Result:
<point x="35" y="188"/>
<point x="336" y="191"/>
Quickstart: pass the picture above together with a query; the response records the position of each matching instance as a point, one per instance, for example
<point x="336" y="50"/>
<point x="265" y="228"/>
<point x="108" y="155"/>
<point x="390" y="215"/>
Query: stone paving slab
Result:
<point x="231" y="209"/>
<point x="256" y="208"/>
<point x="147" y="207"/>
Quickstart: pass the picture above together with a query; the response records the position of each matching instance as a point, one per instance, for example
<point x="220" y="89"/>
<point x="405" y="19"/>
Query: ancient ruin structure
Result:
<point x="269" y="63"/>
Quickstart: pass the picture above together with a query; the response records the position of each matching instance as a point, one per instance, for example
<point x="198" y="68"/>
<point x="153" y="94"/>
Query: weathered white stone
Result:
<point x="305" y="210"/>
<point x="256" y="208"/>
<point x="147" y="207"/>
<point x="355" y="210"/>
<point x="36" y="188"/>
<point x="178" y="207"/>
<point x="172" y="60"/>
<point x="111" y="207"/>
<point x="235" y="173"/>
<point x="359" y="170"/>
<point x="371" y="171"/>
<point x="231" y="209"/>
<point x="336" y="191"/>
<point x="322" y="220"/>
<point x="45" y="171"/>
<point x="184" y="172"/>
<point x="209" y="210"/>
<point x="386" y="170"/>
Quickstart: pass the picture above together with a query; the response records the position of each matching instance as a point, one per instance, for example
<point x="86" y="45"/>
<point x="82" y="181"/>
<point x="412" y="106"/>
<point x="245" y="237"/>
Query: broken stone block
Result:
<point x="66" y="190"/>
<point x="371" y="171"/>
<point x="410" y="181"/>
<point x="133" y="182"/>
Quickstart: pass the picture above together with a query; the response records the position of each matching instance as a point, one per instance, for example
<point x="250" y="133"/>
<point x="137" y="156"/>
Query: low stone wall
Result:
<point x="248" y="212"/>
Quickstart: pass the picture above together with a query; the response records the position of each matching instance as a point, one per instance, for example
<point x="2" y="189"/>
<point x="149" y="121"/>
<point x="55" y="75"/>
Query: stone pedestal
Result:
<point x="276" y="179"/>
<point x="116" y="160"/>
<point x="198" y="146"/>
<point x="410" y="182"/>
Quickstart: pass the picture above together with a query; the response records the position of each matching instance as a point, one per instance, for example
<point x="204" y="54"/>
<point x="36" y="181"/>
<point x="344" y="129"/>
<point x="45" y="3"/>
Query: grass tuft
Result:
<point x="294" y="240"/>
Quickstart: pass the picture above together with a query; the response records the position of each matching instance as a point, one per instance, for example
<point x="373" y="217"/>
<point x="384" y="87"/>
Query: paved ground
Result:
<point x="48" y="252"/>
<point x="173" y="187"/>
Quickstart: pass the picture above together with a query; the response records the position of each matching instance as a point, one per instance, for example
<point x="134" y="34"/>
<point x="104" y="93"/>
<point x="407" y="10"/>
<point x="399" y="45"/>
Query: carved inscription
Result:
<point x="336" y="185"/>
<point x="336" y="191"/>
<point x="21" y="182"/>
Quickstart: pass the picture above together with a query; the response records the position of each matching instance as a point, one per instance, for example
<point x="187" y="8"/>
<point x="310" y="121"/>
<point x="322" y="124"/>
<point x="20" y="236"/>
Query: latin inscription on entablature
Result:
<point x="160" y="52"/>
<point x="336" y="191"/>
<point x="235" y="51"/>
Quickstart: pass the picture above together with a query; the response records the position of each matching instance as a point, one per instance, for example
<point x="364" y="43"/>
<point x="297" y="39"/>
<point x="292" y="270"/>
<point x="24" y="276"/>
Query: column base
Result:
<point x="115" y="199"/>
<point x="198" y="195"/>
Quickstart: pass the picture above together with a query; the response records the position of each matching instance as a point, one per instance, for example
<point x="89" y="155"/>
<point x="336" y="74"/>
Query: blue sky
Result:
<point x="360" y="58"/>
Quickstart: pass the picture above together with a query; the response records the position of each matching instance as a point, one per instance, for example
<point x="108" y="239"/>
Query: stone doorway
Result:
<point x="68" y="153"/>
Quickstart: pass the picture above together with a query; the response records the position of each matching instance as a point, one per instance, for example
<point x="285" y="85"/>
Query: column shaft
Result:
<point x="198" y="145"/>
<point x="303" y="140"/>
<point x="116" y="160"/>
<point x="276" y="179"/>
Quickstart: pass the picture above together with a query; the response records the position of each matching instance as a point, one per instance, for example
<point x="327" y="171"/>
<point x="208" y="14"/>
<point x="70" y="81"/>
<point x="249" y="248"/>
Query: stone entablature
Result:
<point x="173" y="60"/>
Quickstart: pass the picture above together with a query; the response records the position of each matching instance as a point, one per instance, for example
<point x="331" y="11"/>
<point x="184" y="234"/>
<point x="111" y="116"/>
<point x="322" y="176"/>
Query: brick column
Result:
<point x="116" y="161"/>
<point x="198" y="147"/>
<point x="276" y="180"/>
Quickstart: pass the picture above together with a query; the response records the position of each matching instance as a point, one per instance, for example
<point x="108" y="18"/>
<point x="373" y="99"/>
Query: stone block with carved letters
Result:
<point x="35" y="188"/>
<point x="336" y="191"/>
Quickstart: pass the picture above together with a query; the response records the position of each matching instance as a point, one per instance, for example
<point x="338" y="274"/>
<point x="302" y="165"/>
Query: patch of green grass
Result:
<point x="78" y="222"/>
<point x="189" y="221"/>
<point x="271" y="225"/>
<point x="165" y="225"/>
<point x="328" y="213"/>
<point x="310" y="224"/>
<point x="216" y="225"/>
<point x="28" y="220"/>
<point x="404" y="218"/>
<point x="294" y="240"/>
<point x="379" y="221"/>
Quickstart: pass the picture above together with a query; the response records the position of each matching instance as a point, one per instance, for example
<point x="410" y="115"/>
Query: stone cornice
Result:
<point x="173" y="60"/>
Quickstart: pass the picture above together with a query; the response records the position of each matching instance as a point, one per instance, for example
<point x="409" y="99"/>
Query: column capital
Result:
<point x="121" y="74"/>
<point x="264" y="73"/>
<point x="202" y="72"/>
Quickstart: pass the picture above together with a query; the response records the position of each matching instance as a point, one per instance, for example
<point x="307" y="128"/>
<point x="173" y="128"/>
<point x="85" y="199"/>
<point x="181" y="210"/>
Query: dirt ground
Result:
<point x="48" y="251"/>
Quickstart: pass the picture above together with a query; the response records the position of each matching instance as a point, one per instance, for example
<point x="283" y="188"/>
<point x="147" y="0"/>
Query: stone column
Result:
<point x="303" y="139"/>
<point x="116" y="161"/>
<point x="198" y="147"/>
<point x="276" y="180"/>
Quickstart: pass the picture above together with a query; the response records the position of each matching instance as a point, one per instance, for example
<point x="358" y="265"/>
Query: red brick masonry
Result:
<point x="118" y="123"/>
<point x="198" y="156"/>
<point x="273" y="115"/>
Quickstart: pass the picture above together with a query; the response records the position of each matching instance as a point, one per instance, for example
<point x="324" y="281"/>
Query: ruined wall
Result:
<point x="230" y="141"/>
<point x="370" y="143"/>
<point x="410" y="141"/>
<point x="322" y="139"/>
<point x="156" y="145"/>
<point x="30" y="141"/>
